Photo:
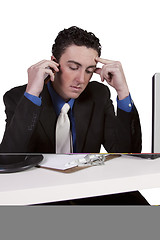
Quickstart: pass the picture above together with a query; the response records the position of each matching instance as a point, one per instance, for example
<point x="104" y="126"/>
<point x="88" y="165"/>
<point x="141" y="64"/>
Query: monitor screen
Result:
<point x="156" y="113"/>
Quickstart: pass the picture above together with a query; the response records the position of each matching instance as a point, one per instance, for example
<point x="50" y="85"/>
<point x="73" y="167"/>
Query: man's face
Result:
<point x="77" y="65"/>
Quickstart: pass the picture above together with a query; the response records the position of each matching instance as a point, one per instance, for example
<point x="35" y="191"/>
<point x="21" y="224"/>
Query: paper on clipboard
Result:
<point x="69" y="163"/>
<point x="60" y="161"/>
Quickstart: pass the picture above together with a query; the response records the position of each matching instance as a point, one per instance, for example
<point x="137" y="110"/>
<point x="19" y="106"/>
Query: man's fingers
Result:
<point x="51" y="64"/>
<point x="46" y="63"/>
<point x="106" y="72"/>
<point x="102" y="60"/>
<point x="53" y="68"/>
<point x="98" y="70"/>
<point x="50" y="75"/>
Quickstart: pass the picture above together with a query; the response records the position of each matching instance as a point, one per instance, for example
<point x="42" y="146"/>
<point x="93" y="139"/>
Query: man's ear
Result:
<point x="53" y="58"/>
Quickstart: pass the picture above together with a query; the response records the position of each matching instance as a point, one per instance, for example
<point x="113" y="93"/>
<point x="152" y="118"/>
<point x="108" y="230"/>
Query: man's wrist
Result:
<point x="123" y="94"/>
<point x="31" y="92"/>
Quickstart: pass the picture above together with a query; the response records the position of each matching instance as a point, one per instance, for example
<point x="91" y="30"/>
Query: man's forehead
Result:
<point x="80" y="54"/>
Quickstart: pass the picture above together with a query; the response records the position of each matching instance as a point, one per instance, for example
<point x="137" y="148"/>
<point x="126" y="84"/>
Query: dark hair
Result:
<point x="76" y="36"/>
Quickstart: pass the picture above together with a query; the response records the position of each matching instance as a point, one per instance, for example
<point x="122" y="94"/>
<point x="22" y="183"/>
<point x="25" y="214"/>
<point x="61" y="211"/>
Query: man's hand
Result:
<point x="37" y="73"/>
<point x="113" y="73"/>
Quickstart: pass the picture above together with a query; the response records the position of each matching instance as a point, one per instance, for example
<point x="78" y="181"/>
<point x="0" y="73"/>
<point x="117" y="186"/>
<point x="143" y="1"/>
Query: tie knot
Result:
<point x="65" y="108"/>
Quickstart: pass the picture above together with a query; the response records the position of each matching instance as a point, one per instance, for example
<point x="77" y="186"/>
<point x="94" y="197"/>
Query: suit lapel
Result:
<point x="48" y="116"/>
<point x="83" y="114"/>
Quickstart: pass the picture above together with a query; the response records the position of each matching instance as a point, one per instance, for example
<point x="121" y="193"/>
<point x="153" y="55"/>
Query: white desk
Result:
<point x="39" y="185"/>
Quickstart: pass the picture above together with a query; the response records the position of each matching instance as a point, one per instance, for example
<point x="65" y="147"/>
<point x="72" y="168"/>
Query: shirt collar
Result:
<point x="57" y="100"/>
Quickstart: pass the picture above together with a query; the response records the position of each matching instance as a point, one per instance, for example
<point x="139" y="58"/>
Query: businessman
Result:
<point x="32" y="110"/>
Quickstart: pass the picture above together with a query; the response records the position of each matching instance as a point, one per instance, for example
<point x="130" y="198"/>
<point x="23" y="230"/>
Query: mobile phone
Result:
<point x="48" y="77"/>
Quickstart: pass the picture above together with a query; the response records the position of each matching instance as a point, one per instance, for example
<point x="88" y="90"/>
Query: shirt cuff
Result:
<point x="125" y="104"/>
<point x="36" y="100"/>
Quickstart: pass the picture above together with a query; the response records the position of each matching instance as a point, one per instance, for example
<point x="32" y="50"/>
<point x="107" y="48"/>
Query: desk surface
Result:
<point x="38" y="185"/>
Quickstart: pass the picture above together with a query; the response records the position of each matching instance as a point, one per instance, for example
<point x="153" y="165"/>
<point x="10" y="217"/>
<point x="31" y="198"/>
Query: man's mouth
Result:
<point x="76" y="88"/>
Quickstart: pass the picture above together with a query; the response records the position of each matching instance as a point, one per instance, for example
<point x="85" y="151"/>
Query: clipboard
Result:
<point x="78" y="168"/>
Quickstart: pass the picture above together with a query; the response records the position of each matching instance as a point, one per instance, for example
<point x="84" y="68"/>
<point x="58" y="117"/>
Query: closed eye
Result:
<point x="91" y="70"/>
<point x="73" y="68"/>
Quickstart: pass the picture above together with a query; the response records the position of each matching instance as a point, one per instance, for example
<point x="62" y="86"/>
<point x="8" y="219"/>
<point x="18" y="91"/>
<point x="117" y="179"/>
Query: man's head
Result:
<point x="74" y="36"/>
<point x="75" y="50"/>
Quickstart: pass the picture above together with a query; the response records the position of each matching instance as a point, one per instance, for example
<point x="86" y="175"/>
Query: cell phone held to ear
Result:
<point x="48" y="77"/>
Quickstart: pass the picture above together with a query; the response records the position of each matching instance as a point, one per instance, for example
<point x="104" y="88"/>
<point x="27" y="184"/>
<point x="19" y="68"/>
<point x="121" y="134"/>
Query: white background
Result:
<point x="128" y="30"/>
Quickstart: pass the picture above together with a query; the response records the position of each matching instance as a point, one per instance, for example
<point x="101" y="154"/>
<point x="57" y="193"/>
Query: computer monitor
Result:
<point x="156" y="113"/>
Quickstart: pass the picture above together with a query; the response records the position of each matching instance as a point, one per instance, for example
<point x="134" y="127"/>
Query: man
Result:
<point x="32" y="111"/>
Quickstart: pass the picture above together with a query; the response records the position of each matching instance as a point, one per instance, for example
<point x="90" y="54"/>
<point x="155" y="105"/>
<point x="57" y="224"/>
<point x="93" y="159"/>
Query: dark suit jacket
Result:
<point x="30" y="128"/>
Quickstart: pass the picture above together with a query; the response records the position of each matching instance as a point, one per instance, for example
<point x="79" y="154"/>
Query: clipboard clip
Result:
<point x="89" y="160"/>
<point x="92" y="159"/>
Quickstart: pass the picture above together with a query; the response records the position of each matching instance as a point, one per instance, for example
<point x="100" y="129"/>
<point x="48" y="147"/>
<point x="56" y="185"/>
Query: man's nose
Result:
<point x="81" y="77"/>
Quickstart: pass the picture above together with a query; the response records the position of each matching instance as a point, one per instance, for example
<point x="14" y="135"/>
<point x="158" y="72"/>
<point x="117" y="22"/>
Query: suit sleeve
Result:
<point x="22" y="116"/>
<point x="122" y="131"/>
<point x="97" y="124"/>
